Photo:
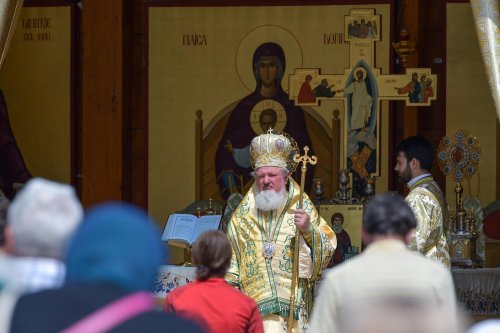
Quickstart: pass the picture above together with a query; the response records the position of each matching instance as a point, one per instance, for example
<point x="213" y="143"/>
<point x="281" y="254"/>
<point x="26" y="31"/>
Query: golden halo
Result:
<point x="268" y="104"/>
<point x="264" y="34"/>
<point x="359" y="69"/>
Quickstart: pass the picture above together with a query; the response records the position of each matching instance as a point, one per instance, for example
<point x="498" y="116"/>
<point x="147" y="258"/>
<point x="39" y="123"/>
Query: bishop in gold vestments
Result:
<point x="262" y="237"/>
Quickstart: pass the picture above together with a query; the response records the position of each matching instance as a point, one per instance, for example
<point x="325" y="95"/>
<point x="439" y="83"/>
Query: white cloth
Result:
<point x="478" y="290"/>
<point x="9" y="276"/>
<point x="8" y="301"/>
<point x="486" y="326"/>
<point x="29" y="274"/>
<point x="416" y="179"/>
<point x="170" y="277"/>
<point x="37" y="274"/>
<point x="277" y="324"/>
<point x="386" y="270"/>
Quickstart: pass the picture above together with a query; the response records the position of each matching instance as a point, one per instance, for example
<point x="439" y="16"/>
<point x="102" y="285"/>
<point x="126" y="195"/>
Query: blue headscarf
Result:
<point x="117" y="244"/>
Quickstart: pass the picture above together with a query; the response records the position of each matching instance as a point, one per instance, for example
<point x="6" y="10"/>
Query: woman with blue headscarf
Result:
<point x="113" y="259"/>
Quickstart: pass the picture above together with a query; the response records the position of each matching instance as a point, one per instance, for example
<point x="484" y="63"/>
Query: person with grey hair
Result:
<point x="112" y="262"/>
<point x="41" y="220"/>
<point x="409" y="291"/>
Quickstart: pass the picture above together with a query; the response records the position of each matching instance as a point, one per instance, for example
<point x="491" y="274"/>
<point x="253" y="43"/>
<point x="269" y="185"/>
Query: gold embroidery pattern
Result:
<point x="429" y="237"/>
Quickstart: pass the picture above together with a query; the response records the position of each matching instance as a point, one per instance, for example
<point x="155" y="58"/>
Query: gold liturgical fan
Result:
<point x="458" y="156"/>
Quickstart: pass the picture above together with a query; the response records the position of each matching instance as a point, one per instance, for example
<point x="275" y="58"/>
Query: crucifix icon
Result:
<point x="362" y="87"/>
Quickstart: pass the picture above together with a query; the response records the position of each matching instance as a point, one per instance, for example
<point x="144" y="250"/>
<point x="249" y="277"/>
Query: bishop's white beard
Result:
<point x="267" y="200"/>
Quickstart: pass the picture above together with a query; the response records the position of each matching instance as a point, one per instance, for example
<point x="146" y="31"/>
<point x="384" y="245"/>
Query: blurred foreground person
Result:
<point x="111" y="264"/>
<point x="210" y="300"/>
<point x="485" y="326"/>
<point x="387" y="288"/>
<point x="41" y="221"/>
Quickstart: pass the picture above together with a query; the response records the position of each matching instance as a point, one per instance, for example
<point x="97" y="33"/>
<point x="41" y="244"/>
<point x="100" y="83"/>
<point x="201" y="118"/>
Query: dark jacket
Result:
<point x="51" y="311"/>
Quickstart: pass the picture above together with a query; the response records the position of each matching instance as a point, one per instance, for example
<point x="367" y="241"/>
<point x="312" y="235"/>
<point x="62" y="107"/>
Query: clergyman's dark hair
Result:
<point x="419" y="148"/>
<point x="212" y="254"/>
<point x="388" y="214"/>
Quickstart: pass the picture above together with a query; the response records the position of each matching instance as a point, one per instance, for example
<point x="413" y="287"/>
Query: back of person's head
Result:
<point x="43" y="217"/>
<point x="419" y="148"/>
<point x="212" y="254"/>
<point x="388" y="214"/>
<point x="116" y="244"/>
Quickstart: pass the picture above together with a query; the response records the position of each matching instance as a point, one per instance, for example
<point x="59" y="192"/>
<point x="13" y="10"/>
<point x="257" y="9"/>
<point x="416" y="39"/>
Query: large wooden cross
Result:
<point x="362" y="87"/>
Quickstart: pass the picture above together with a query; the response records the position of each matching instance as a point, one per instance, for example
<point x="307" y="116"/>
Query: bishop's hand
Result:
<point x="302" y="220"/>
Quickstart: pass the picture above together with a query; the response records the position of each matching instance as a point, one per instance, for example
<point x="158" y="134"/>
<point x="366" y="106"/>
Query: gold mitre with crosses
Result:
<point x="275" y="150"/>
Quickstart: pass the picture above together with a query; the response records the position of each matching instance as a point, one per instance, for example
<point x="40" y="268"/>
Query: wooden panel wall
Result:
<point x="138" y="124"/>
<point x="114" y="115"/>
<point x="424" y="20"/>
<point x="103" y="101"/>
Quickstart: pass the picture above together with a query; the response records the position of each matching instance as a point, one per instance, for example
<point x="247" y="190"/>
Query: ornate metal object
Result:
<point x="404" y="47"/>
<point x="459" y="155"/>
<point x="369" y="188"/>
<point x="343" y="192"/>
<point x="318" y="188"/>
<point x="343" y="196"/>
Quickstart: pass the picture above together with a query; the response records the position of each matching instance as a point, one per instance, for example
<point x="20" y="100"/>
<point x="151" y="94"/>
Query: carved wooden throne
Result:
<point x="325" y="141"/>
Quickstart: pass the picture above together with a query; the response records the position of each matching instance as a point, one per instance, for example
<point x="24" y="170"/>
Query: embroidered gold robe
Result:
<point x="430" y="209"/>
<point x="268" y="281"/>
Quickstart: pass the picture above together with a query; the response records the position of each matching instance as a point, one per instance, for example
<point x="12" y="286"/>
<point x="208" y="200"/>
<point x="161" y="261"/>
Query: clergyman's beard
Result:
<point x="405" y="176"/>
<point x="267" y="200"/>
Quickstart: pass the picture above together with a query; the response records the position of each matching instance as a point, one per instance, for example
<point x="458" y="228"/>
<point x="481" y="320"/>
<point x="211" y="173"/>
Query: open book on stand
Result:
<point x="184" y="229"/>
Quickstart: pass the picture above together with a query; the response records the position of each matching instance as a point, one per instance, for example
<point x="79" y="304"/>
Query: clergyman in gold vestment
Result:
<point x="262" y="232"/>
<point x="414" y="160"/>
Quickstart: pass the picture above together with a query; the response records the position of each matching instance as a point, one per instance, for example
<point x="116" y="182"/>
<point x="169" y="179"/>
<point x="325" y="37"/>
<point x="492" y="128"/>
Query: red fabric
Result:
<point x="428" y="92"/>
<point x="491" y="226"/>
<point x="343" y="244"/>
<point x="306" y="94"/>
<point x="217" y="306"/>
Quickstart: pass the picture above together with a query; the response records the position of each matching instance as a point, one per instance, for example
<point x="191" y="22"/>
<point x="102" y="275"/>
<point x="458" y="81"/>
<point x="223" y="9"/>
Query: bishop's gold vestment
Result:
<point x="268" y="281"/>
<point x="430" y="209"/>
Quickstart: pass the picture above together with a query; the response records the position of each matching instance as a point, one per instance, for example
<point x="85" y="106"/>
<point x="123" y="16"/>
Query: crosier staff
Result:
<point x="305" y="159"/>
